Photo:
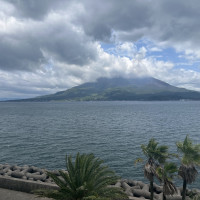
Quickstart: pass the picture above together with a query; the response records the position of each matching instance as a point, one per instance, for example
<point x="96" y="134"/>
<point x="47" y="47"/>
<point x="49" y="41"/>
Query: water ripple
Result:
<point x="41" y="134"/>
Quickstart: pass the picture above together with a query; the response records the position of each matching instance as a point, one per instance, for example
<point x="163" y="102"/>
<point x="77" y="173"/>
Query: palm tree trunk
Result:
<point x="151" y="189"/>
<point x="184" y="189"/>
<point x="164" y="197"/>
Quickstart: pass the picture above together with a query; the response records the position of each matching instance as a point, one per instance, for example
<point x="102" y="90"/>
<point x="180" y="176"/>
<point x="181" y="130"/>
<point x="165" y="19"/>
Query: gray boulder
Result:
<point x="141" y="193"/>
<point x="118" y="184"/>
<point x="2" y="172"/>
<point x="125" y="186"/>
<point x="129" y="192"/>
<point x="36" y="177"/>
<point x="136" y="187"/>
<point x="17" y="174"/>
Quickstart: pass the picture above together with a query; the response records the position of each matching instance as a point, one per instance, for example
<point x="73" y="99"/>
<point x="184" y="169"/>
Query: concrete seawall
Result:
<point x="24" y="185"/>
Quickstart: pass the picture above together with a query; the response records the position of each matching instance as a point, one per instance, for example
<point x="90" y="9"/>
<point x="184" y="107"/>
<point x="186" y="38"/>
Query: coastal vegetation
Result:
<point x="165" y="174"/>
<point x="155" y="156"/>
<point x="86" y="178"/>
<point x="157" y="166"/>
<point x="190" y="158"/>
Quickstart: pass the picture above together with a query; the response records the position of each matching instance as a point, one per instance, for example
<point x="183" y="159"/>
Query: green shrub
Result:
<point x="86" y="178"/>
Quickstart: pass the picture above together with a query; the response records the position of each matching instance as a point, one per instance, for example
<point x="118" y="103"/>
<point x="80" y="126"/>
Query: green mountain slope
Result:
<point x="105" y="89"/>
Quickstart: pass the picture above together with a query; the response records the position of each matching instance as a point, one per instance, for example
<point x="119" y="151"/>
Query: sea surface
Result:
<point x="41" y="134"/>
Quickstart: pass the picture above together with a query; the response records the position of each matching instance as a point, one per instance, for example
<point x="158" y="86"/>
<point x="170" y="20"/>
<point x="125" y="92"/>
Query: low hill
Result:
<point x="117" y="89"/>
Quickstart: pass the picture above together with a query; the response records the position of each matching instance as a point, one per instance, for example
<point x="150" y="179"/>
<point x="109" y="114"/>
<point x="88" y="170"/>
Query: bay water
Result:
<point x="42" y="133"/>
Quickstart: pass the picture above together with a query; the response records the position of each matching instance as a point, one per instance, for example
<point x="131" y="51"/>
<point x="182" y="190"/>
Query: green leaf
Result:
<point x="86" y="177"/>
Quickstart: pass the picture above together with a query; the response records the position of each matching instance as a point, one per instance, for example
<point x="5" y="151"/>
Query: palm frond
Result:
<point x="169" y="188"/>
<point x="85" y="177"/>
<point x="170" y="169"/>
<point x="166" y="174"/>
<point x="188" y="173"/>
<point x="57" y="180"/>
<point x="190" y="152"/>
<point x="155" y="152"/>
<point x="138" y="160"/>
<point x="149" y="171"/>
<point x="190" y="157"/>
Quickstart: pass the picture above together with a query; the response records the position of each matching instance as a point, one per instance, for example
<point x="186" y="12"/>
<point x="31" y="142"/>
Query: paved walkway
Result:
<point x="15" y="195"/>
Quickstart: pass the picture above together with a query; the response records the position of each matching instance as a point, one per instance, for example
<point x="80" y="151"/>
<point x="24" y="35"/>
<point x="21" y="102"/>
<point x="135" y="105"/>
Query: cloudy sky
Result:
<point x="47" y="45"/>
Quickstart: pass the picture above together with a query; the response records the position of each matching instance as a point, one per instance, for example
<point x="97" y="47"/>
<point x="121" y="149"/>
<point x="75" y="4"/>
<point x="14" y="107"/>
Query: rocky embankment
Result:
<point x="137" y="190"/>
<point x="25" y="172"/>
<point x="134" y="189"/>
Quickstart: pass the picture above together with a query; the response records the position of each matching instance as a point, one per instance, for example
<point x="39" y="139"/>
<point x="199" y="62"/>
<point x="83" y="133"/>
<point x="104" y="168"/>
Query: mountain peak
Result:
<point x="120" y="88"/>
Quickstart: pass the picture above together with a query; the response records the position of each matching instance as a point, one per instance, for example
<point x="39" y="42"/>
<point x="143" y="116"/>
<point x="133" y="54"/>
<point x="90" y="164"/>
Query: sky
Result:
<point x="48" y="46"/>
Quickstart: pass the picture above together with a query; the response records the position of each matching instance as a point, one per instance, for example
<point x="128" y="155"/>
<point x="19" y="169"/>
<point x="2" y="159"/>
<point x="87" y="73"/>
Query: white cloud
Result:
<point x="47" y="46"/>
<point x="58" y="76"/>
<point x="155" y="49"/>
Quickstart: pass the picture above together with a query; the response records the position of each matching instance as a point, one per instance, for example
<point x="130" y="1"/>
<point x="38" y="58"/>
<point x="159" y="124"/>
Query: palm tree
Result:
<point x="156" y="155"/>
<point x="190" y="159"/>
<point x="86" y="178"/>
<point x="166" y="174"/>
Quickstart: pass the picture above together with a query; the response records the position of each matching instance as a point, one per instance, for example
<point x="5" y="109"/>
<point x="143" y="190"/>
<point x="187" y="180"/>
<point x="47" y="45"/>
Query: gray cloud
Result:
<point x="54" y="36"/>
<point x="67" y="45"/>
<point x="27" y="45"/>
<point x="19" y="52"/>
<point x="34" y="33"/>
<point x="67" y="30"/>
<point x="36" y="9"/>
<point x="165" y="20"/>
<point x="173" y="22"/>
<point x="176" y="21"/>
<point x="102" y="17"/>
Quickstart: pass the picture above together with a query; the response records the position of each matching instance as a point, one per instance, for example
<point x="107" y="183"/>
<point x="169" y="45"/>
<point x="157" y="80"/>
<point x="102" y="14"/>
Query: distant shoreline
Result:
<point x="28" y="101"/>
<point x="121" y="89"/>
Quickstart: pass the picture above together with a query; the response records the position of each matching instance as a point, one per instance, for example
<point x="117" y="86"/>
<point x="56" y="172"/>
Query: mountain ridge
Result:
<point x="118" y="89"/>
